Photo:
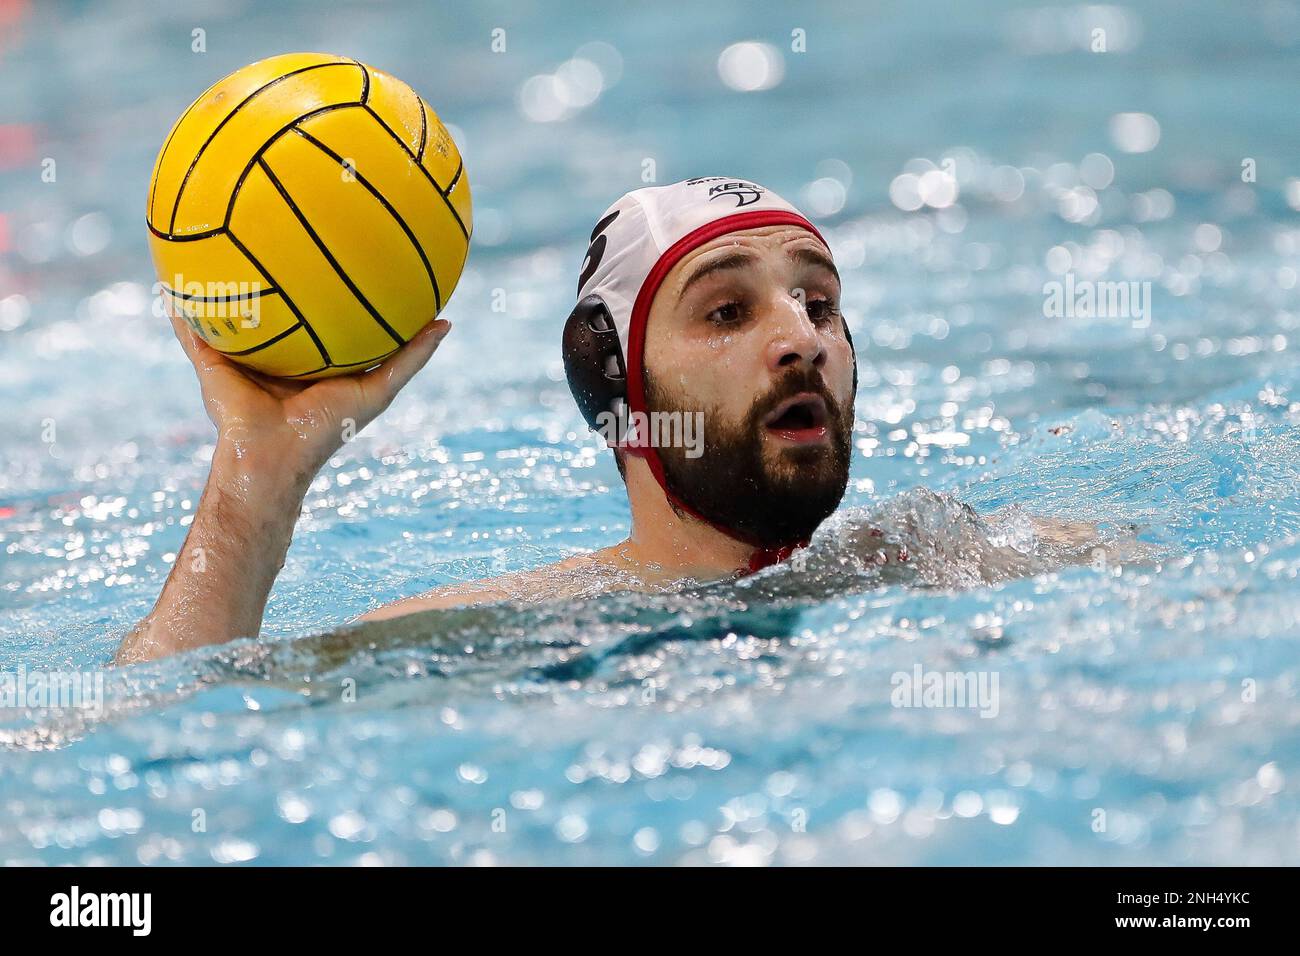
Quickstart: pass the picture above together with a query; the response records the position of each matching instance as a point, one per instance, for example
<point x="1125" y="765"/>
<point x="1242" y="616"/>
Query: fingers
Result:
<point x="190" y="342"/>
<point x="389" y="378"/>
<point x="202" y="355"/>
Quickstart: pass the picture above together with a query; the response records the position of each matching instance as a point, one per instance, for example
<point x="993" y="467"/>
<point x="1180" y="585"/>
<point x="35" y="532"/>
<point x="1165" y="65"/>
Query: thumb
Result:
<point x="389" y="378"/>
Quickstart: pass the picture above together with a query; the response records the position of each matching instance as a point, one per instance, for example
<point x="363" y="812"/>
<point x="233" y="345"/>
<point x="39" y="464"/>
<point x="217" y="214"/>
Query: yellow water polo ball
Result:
<point x="308" y="215"/>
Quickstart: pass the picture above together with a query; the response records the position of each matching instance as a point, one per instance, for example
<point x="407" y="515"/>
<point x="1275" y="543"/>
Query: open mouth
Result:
<point x="799" y="419"/>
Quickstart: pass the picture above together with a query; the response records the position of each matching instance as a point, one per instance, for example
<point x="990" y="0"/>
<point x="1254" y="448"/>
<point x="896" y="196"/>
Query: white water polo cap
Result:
<point x="634" y="246"/>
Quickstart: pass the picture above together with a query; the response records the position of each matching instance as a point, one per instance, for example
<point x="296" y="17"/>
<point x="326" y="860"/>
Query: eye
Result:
<point x="822" y="310"/>
<point x="729" y="313"/>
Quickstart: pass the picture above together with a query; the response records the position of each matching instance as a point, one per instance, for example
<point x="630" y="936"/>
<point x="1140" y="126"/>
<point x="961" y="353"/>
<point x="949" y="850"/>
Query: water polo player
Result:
<point x="711" y="300"/>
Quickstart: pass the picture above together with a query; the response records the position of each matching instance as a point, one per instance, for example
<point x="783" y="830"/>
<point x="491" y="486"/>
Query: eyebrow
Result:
<point x="811" y="256"/>
<point x="732" y="260"/>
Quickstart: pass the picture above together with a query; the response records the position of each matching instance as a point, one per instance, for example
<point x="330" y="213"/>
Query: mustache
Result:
<point x="795" y="381"/>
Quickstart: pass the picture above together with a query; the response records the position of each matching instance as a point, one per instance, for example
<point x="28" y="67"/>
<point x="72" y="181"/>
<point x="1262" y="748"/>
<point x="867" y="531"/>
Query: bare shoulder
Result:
<point x="579" y="576"/>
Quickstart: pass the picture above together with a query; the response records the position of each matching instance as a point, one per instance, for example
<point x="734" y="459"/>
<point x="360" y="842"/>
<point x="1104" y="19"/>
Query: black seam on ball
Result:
<point x="209" y="299"/>
<point x="239" y="183"/>
<point x="420" y="166"/>
<point x="424" y="126"/>
<point x="320" y="346"/>
<point x="271" y="141"/>
<point x="158" y="164"/>
<point x="269" y="342"/>
<point x="370" y="361"/>
<point x="171" y="227"/>
<point x="365" y="81"/>
<point x="329" y="256"/>
<point x="190" y="238"/>
<point x="433" y="281"/>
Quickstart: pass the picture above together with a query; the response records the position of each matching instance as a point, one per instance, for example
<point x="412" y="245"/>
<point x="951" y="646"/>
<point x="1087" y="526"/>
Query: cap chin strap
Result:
<point x="763" y="556"/>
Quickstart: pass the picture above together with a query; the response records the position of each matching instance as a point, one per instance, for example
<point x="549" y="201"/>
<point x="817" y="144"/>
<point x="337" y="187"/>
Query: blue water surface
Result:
<point x="1146" y="712"/>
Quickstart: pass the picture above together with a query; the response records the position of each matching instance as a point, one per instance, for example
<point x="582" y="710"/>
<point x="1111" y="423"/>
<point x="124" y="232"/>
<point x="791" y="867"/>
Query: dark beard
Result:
<point x="732" y="486"/>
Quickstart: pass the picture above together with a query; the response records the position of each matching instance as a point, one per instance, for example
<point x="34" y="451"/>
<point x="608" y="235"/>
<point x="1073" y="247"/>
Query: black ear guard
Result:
<point x="593" y="359"/>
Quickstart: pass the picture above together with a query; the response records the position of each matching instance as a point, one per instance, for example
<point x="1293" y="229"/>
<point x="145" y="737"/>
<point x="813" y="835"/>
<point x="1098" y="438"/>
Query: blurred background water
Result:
<point x="958" y="157"/>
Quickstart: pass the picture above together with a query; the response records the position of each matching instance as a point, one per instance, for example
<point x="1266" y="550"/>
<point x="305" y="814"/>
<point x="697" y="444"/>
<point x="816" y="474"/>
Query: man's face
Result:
<point x="747" y="330"/>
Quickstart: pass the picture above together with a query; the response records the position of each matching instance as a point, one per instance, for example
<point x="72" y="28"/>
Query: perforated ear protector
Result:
<point x="593" y="360"/>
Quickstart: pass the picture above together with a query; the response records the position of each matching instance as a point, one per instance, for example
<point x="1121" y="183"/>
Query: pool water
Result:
<point x="1139" y="713"/>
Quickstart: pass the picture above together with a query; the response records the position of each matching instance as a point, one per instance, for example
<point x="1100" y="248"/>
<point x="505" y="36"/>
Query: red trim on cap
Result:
<point x="636" y="347"/>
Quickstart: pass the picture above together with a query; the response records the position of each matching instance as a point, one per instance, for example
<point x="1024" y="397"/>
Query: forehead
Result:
<point x="764" y="242"/>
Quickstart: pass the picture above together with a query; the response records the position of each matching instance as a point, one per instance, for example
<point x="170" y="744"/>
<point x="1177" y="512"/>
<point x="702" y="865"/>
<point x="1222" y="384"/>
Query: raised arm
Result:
<point x="273" y="435"/>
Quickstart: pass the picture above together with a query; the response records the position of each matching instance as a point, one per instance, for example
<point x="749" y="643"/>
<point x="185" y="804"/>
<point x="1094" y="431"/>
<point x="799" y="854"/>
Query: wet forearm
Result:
<point x="218" y="586"/>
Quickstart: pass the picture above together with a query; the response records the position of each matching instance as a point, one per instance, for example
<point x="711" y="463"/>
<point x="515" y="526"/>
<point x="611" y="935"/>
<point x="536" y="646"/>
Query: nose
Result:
<point x="794" y="340"/>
